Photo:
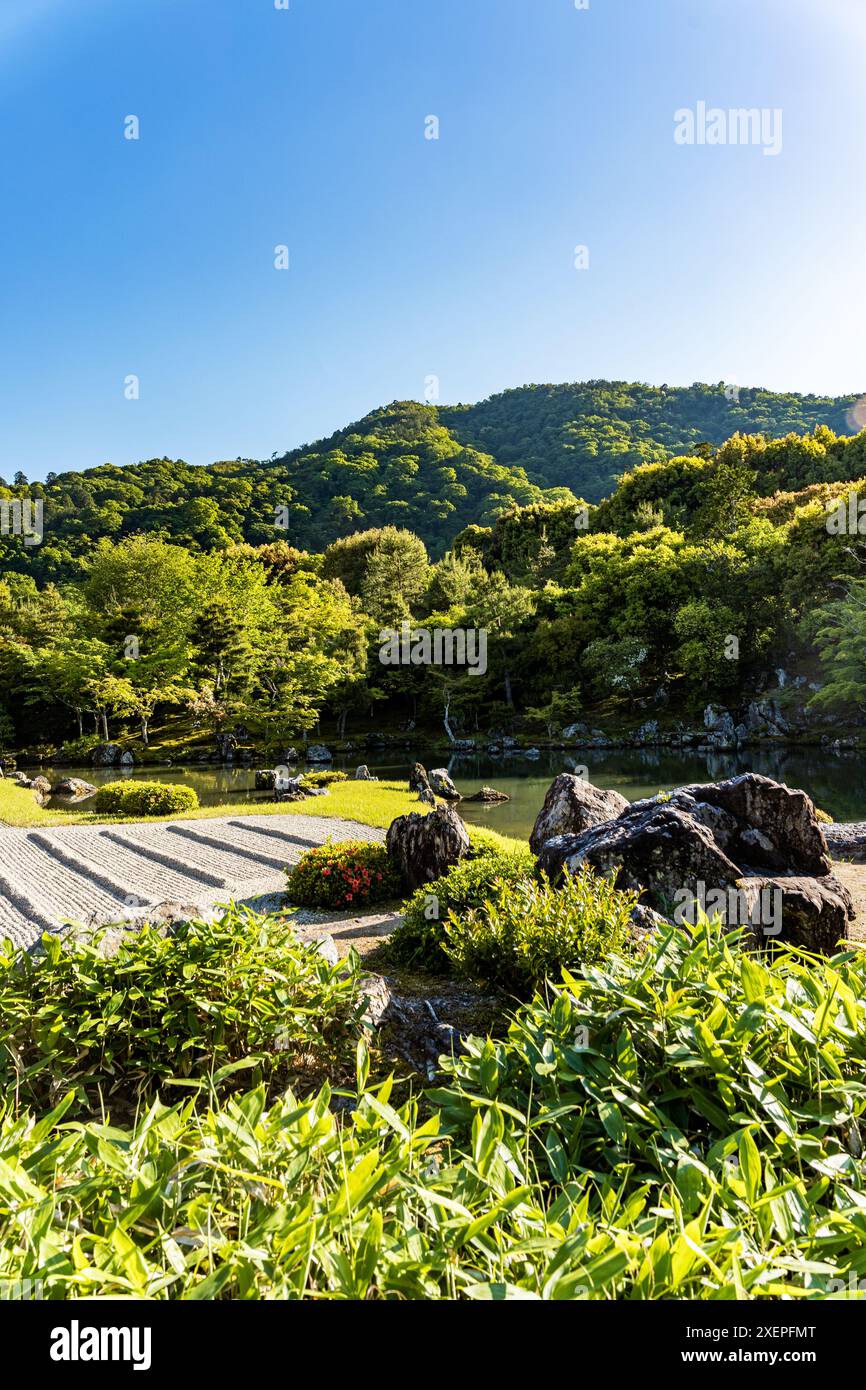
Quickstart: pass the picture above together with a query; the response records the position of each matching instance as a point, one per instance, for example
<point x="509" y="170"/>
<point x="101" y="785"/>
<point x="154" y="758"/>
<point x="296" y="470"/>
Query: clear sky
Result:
<point x="409" y="257"/>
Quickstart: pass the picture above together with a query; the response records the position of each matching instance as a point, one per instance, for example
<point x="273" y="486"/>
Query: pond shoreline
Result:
<point x="835" y="780"/>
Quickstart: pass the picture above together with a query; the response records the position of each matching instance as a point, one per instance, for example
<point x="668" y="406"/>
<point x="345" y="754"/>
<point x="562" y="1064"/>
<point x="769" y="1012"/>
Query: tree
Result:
<point x="841" y="640"/>
<point x="562" y="709"/>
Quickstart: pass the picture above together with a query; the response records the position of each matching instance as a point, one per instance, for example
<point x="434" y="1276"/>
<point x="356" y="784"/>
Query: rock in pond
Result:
<point x="442" y="785"/>
<point x="73" y="786"/>
<point x="319" y="753"/>
<point x="489" y="794"/>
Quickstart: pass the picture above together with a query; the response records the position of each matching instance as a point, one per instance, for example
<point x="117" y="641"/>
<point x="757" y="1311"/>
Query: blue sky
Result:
<point x="409" y="258"/>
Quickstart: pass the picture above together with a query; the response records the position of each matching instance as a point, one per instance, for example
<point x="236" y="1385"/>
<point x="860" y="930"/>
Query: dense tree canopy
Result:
<point x="436" y="470"/>
<point x="164" y="592"/>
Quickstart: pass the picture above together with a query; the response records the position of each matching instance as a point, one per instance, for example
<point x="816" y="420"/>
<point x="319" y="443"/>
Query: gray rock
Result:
<point x="656" y="848"/>
<point x="127" y="759"/>
<point x="816" y="912"/>
<point x="418" y="779"/>
<point x="362" y="774"/>
<point x="106" y="755"/>
<point x="488" y="794"/>
<point x="319" y="753"/>
<point x="327" y="947"/>
<point x="442" y="785"/>
<point x="648" y="732"/>
<point x="423" y="847"/>
<point x="74" y="786"/>
<point x="785" y="818"/>
<point x="417" y="1028"/>
<point x="571" y="806"/>
<point x="846" y="840"/>
<point x="427" y="796"/>
<point x="575" y="731"/>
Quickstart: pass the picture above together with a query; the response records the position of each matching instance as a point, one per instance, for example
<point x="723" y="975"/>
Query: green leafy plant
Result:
<point x="418" y="941"/>
<point x="717" y="1101"/>
<point x="528" y="930"/>
<point x="144" y="799"/>
<point x="212" y="1004"/>
<point x="353" y="873"/>
<point x="681" y="1123"/>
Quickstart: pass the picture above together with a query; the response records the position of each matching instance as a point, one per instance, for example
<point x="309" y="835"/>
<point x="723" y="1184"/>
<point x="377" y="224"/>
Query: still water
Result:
<point x="837" y="782"/>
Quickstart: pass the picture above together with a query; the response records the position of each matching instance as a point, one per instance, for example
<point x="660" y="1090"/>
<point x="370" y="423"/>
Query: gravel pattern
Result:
<point x="52" y="878"/>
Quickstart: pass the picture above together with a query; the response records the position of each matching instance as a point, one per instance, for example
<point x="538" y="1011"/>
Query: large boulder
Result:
<point x="815" y="912"/>
<point x="363" y="774"/>
<point x="778" y="827"/>
<point x="442" y="785"/>
<point x="657" y="849"/>
<point x="750" y="849"/>
<point x="571" y="806"/>
<point x="424" y="847"/>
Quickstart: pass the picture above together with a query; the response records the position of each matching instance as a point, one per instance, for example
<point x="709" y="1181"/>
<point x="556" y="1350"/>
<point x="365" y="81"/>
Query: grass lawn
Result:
<point x="369" y="803"/>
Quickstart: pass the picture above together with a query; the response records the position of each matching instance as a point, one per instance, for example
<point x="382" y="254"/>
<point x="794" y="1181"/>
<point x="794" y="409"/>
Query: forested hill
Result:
<point x="431" y="469"/>
<point x="584" y="436"/>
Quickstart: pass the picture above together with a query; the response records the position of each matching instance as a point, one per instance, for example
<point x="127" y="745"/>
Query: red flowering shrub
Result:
<point x="350" y="874"/>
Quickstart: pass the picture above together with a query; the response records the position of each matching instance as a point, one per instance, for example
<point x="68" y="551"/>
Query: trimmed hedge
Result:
<point x="144" y="799"/>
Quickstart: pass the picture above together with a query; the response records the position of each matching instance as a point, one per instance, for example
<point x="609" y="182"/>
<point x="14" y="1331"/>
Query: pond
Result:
<point x="837" y="782"/>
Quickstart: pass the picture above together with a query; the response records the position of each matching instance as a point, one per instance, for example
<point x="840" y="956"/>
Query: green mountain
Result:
<point x="432" y="469"/>
<point x="583" y="436"/>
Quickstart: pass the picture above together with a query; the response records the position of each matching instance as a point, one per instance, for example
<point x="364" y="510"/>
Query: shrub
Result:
<point x="683" y="1124"/>
<point x="212" y="1004"/>
<point x="530" y="931"/>
<point x="823" y="816"/>
<point x="324" y="778"/>
<point x="418" y="941"/>
<point x="352" y="874"/>
<point x="144" y="799"/>
<point x="714" y="1098"/>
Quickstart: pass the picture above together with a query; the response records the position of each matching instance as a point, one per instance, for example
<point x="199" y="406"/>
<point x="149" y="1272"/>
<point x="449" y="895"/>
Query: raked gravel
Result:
<point x="86" y="874"/>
